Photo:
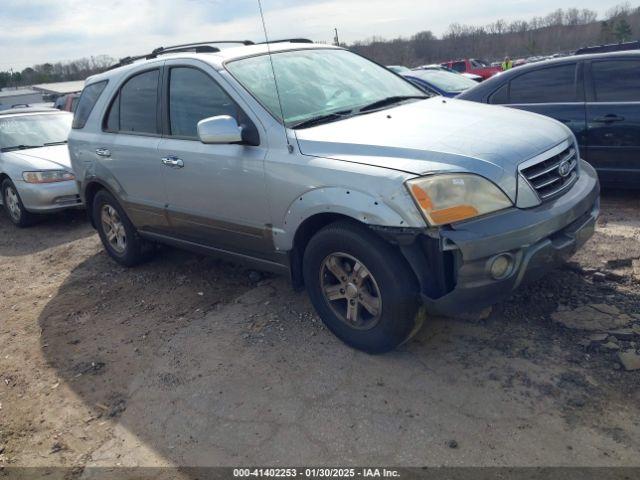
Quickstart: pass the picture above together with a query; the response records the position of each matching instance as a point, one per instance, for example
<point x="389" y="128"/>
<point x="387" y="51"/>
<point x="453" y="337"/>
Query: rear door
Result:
<point x="613" y="116"/>
<point x="129" y="148"/>
<point x="556" y="91"/>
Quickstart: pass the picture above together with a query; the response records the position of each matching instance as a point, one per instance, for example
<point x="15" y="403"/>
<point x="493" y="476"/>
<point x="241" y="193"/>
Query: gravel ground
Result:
<point x="191" y="361"/>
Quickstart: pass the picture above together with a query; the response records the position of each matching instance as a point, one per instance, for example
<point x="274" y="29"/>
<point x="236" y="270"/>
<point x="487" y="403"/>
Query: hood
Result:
<point x="55" y="157"/>
<point x="439" y="135"/>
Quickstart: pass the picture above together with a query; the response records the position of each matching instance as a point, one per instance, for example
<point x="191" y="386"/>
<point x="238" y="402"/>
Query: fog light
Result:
<point x="501" y="266"/>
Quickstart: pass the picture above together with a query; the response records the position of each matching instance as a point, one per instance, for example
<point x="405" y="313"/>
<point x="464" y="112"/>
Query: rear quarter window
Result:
<point x="88" y="99"/>
<point x="500" y="96"/>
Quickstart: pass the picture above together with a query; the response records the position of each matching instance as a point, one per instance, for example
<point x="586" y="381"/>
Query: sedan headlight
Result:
<point x="47" y="176"/>
<point x="452" y="197"/>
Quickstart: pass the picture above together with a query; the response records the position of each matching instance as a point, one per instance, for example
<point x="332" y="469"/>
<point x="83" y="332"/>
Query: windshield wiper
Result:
<point x="20" y="147"/>
<point x="320" y="119"/>
<point x="61" y="142"/>
<point x="389" y="101"/>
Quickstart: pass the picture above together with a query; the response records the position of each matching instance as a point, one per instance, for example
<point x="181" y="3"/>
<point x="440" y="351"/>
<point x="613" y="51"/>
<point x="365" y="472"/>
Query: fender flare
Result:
<point x="361" y="206"/>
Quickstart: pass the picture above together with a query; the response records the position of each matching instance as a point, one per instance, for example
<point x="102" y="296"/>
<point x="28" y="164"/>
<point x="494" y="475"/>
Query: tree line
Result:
<point x="561" y="31"/>
<point x="56" y="72"/>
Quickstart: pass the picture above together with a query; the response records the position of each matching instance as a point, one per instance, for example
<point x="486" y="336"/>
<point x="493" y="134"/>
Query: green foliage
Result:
<point x="622" y="30"/>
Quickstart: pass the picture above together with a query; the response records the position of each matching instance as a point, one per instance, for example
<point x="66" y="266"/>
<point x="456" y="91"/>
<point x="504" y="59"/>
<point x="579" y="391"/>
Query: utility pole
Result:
<point x="336" y="41"/>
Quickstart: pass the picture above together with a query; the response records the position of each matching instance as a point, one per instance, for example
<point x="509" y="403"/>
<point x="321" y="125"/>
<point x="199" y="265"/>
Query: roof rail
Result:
<point x="612" y="47"/>
<point x="198" y="47"/>
<point x="287" y="40"/>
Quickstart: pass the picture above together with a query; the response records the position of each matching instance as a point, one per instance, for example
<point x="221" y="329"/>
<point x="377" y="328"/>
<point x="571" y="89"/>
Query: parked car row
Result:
<point x="35" y="171"/>
<point x="383" y="201"/>
<point x="597" y="96"/>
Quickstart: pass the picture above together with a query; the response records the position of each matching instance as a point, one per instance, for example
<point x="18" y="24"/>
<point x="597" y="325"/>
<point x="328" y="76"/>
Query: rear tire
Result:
<point x="14" y="207"/>
<point x="119" y="237"/>
<point x="361" y="287"/>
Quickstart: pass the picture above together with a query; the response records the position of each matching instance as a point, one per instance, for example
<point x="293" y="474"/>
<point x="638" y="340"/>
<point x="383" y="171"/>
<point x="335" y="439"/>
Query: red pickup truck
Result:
<point x="472" y="65"/>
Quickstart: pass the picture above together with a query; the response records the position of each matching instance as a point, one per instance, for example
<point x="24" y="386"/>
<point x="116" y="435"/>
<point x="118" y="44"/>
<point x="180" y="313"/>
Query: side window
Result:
<point x="547" y="85"/>
<point x="459" y="66"/>
<point x="500" y="96"/>
<point x="88" y="99"/>
<point x="616" y="80"/>
<point x="194" y="95"/>
<point x="138" y="104"/>
<point x="112" y="122"/>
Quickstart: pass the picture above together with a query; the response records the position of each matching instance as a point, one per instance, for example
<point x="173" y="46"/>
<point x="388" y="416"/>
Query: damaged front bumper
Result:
<point x="457" y="267"/>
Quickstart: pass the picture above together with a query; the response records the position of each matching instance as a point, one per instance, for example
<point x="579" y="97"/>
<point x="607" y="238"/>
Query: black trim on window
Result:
<point x="116" y="96"/>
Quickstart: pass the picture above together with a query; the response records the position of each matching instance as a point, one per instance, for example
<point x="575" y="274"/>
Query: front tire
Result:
<point x="361" y="287"/>
<point x="119" y="237"/>
<point x="14" y="207"/>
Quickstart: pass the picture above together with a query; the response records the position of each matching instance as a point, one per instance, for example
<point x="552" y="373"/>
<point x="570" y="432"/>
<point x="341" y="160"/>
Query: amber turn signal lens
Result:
<point x="453" y="214"/>
<point x="422" y="198"/>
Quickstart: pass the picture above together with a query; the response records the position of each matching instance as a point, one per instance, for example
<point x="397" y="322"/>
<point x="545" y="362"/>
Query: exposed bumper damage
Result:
<point x="457" y="267"/>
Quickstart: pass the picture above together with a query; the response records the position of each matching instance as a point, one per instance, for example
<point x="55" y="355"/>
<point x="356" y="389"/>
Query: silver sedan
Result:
<point x="35" y="171"/>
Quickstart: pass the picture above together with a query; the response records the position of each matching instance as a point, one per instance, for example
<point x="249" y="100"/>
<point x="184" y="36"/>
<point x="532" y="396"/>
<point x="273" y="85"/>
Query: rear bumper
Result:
<point x="535" y="240"/>
<point x="49" y="197"/>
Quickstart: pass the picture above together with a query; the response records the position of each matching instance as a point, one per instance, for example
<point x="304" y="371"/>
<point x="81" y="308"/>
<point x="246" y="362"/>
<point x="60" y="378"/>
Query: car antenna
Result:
<point x="275" y="80"/>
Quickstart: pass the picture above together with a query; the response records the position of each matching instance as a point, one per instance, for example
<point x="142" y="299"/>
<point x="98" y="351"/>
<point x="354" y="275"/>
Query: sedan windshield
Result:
<point x="32" y="131"/>
<point x="445" y="81"/>
<point x="316" y="84"/>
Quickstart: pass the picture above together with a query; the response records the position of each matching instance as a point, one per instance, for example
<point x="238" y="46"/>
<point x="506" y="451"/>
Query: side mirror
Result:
<point x="220" y="129"/>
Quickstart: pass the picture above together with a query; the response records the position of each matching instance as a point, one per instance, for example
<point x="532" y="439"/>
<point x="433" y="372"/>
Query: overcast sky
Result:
<point x="37" y="31"/>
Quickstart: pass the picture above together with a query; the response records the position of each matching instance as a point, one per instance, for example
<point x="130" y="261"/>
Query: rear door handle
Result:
<point x="103" y="152"/>
<point x="173" y="162"/>
<point x="609" y="119"/>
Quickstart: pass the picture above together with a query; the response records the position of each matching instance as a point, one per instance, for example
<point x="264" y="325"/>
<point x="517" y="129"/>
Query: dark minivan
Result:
<point x="597" y="96"/>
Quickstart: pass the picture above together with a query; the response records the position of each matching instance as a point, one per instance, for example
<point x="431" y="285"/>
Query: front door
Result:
<point x="216" y="194"/>
<point x="613" y="118"/>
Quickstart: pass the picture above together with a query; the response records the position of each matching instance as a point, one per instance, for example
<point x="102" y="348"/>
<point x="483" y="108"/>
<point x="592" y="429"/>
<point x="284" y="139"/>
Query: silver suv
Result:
<point x="310" y="160"/>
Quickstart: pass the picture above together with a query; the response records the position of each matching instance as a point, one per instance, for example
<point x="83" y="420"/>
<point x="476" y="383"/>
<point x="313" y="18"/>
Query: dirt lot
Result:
<point x="191" y="361"/>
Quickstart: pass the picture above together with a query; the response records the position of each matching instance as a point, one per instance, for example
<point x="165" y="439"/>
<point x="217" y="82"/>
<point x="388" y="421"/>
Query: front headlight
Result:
<point x="47" y="176"/>
<point x="452" y="197"/>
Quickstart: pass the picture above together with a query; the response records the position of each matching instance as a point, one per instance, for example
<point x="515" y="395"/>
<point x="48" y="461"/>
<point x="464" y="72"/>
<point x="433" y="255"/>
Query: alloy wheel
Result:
<point x="12" y="202"/>
<point x="351" y="291"/>
<point x="113" y="228"/>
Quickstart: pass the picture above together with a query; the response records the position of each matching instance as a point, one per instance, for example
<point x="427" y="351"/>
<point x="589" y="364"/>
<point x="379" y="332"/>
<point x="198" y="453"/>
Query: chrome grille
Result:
<point x="554" y="175"/>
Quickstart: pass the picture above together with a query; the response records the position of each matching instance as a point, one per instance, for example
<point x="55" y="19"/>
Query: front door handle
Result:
<point x="103" y="152"/>
<point x="609" y="119"/>
<point x="173" y="162"/>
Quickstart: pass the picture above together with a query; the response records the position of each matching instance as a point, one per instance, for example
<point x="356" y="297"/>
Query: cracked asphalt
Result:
<point x="188" y="361"/>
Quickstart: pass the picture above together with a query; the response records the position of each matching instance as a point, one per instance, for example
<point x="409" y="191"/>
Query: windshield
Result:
<point x="479" y="63"/>
<point x="445" y="81"/>
<point x="30" y="131"/>
<point x="314" y="83"/>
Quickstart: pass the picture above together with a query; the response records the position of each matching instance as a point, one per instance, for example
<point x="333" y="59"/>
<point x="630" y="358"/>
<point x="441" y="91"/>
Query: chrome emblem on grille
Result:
<point x="564" y="168"/>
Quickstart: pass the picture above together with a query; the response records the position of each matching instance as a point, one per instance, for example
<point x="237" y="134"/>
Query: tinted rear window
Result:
<point x="139" y="103"/>
<point x="616" y="81"/>
<point x="87" y="101"/>
<point x="548" y="85"/>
